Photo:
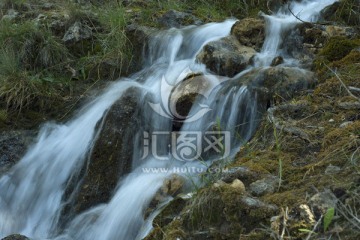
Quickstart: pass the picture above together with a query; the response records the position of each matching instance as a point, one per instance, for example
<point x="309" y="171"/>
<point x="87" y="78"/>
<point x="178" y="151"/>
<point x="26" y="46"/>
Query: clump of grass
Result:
<point x="17" y="88"/>
<point x="29" y="58"/>
<point x="348" y="12"/>
<point x="41" y="50"/>
<point x="112" y="50"/>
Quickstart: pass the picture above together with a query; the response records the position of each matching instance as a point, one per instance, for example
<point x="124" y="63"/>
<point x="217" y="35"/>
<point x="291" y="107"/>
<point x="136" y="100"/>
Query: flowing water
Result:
<point x="31" y="196"/>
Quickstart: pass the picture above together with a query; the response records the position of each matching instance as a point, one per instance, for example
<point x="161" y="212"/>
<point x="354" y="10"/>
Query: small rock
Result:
<point x="173" y="185"/>
<point x="10" y="15"/>
<point x="345" y="124"/>
<point x="331" y="120"/>
<point x="239" y="185"/>
<point x="264" y="186"/>
<point x="244" y="174"/>
<point x="332" y="169"/>
<point x="77" y="32"/>
<point x="40" y="18"/>
<point x="321" y="202"/>
<point x="250" y="202"/>
<point x="277" y="61"/>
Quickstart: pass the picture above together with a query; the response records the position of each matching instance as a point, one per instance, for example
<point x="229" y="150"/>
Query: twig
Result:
<point x="342" y="83"/>
<point x="314" y="229"/>
<point x="285" y="218"/>
<point x="311" y="23"/>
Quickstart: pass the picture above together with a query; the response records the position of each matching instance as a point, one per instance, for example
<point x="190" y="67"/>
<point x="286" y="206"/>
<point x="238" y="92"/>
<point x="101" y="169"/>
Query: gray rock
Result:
<point x="242" y="173"/>
<point x="250" y="202"/>
<point x="332" y="169"/>
<point x="264" y="186"/>
<point x="178" y="19"/>
<point x="345" y="124"/>
<point x="77" y="32"/>
<point x="10" y="15"/>
<point x="13" y="145"/>
<point x="226" y="57"/>
<point x="322" y="201"/>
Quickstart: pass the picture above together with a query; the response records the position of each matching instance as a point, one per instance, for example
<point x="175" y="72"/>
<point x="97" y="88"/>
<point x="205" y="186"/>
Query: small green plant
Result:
<point x="328" y="217"/>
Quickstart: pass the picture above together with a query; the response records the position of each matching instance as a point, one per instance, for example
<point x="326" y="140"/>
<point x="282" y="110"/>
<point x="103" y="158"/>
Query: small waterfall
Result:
<point x="32" y="192"/>
<point x="282" y="21"/>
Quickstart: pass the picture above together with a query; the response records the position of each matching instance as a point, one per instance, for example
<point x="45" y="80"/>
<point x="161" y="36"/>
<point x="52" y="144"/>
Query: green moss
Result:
<point x="338" y="47"/>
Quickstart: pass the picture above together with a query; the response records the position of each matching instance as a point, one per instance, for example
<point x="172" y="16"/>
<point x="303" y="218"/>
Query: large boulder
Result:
<point x="226" y="57"/>
<point x="250" y="32"/>
<point x="111" y="156"/>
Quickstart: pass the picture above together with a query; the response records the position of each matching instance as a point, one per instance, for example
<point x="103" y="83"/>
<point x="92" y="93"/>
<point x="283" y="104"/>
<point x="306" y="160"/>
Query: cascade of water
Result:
<point x="33" y="189"/>
<point x="282" y="21"/>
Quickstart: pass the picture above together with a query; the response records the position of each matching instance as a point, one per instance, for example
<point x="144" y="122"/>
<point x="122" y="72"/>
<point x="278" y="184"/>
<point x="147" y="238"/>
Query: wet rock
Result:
<point x="178" y="19"/>
<point x="321" y="202"/>
<point x="226" y="57"/>
<point x="171" y="187"/>
<point x="277" y="61"/>
<point x="281" y="81"/>
<point x="139" y="36"/>
<point x="183" y="96"/>
<point x="264" y="186"/>
<point x="112" y="152"/>
<point x="77" y="32"/>
<point x="250" y="32"/>
<point x="13" y="145"/>
<point x="16" y="237"/>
